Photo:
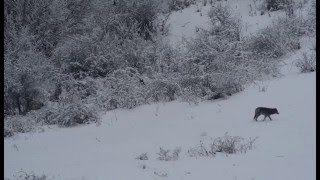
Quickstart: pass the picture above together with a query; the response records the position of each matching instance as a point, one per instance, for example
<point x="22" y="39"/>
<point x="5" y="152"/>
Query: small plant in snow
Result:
<point x="161" y="174"/>
<point x="22" y="175"/>
<point x="231" y="144"/>
<point x="226" y="144"/>
<point x="143" y="156"/>
<point x="164" y="155"/>
<point x="175" y="154"/>
<point x="307" y="63"/>
<point x="200" y="151"/>
<point x="247" y="146"/>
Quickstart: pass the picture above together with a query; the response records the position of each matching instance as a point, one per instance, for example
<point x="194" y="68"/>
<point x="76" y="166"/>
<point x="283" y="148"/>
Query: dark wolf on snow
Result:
<point x="264" y="111"/>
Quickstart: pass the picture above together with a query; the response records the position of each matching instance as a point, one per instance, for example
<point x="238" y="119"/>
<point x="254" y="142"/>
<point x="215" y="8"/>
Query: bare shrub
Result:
<point x="175" y="154"/>
<point x="226" y="144"/>
<point x="161" y="174"/>
<point x="164" y="155"/>
<point x="201" y="151"/>
<point x="231" y="144"/>
<point x="307" y="63"/>
<point x="143" y="156"/>
<point x="22" y="175"/>
<point x="243" y="148"/>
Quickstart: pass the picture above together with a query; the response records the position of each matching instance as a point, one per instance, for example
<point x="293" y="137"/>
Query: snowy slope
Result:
<point x="184" y="23"/>
<point x="285" y="148"/>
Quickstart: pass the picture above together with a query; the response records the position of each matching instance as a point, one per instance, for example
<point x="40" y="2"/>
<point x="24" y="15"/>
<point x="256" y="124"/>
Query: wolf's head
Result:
<point x="276" y="110"/>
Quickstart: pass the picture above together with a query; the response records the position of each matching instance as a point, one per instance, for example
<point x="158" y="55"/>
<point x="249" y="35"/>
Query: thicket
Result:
<point x="66" y="60"/>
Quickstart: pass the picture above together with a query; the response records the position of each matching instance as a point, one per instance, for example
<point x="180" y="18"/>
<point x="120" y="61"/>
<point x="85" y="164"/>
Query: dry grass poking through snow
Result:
<point x="226" y="144"/>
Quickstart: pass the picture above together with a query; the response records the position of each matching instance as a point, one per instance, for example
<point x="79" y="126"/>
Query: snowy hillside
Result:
<point x="185" y="23"/>
<point x="285" y="148"/>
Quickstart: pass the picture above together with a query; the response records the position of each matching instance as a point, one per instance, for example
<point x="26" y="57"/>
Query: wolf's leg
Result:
<point x="269" y="117"/>
<point x="264" y="117"/>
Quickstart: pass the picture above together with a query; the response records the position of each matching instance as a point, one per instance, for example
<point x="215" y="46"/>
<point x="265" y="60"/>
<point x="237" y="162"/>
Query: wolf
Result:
<point x="264" y="111"/>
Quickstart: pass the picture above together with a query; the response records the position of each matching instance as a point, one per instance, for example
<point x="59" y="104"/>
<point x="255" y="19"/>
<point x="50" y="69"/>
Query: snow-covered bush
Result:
<point x="128" y="17"/>
<point x="175" y="5"/>
<point x="72" y="115"/>
<point x="17" y="124"/>
<point x="307" y="63"/>
<point x="65" y="115"/>
<point x="272" y="42"/>
<point x="82" y="88"/>
<point x="24" y="95"/>
<point x="193" y="88"/>
<point x="123" y="89"/>
<point x="290" y="26"/>
<point x="162" y="90"/>
<point x="26" y="73"/>
<point x="210" y="86"/>
<point x="224" y="24"/>
<point x="274" y="5"/>
<point x="310" y="22"/>
<point x="213" y="66"/>
<point x="96" y="53"/>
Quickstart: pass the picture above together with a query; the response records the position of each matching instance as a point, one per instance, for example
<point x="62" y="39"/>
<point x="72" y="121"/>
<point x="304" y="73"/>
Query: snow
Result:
<point x="183" y="24"/>
<point x="285" y="148"/>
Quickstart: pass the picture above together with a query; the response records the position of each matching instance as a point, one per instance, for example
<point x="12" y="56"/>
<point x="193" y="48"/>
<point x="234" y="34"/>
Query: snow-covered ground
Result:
<point x="285" y="147"/>
<point x="184" y="23"/>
